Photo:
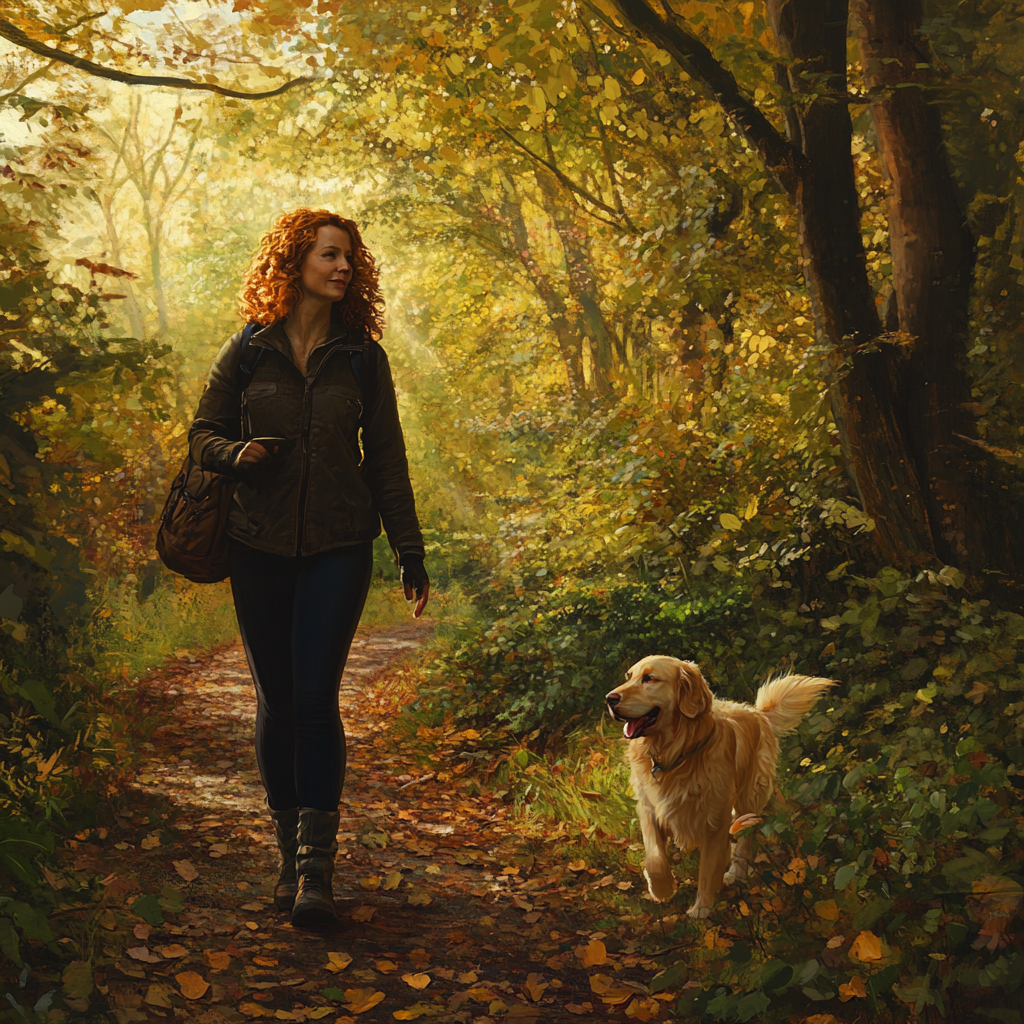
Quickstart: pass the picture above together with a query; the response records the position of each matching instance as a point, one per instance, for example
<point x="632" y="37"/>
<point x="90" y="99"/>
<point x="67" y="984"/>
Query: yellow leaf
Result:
<point x="362" y="999"/>
<point x="867" y="946"/>
<point x="469" y="978"/>
<point x="159" y="995"/>
<point x="363" y="913"/>
<point x="192" y="985"/>
<point x="611" y="88"/>
<point x="455" y="64"/>
<point x="577" y="865"/>
<point x="854" y="987"/>
<point x="747" y="10"/>
<point x="639" y="77"/>
<point x="828" y="910"/>
<point x="593" y="954"/>
<point x="386" y="966"/>
<point x="535" y="986"/>
<point x="751" y="510"/>
<point x="729" y="521"/>
<point x="416" y="980"/>
<point x="369" y="883"/>
<point x="420" y="899"/>
<point x="253" y="1010"/>
<point x="393" y="880"/>
<point x="338" y="961"/>
<point x="264" y="961"/>
<point x="173" y="952"/>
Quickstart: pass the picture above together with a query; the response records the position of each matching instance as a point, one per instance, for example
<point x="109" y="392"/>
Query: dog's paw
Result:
<point x="738" y="869"/>
<point x="661" y="889"/>
<point x="698" y="911"/>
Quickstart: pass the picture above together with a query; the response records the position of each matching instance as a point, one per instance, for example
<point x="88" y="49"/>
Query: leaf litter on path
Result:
<point x="444" y="896"/>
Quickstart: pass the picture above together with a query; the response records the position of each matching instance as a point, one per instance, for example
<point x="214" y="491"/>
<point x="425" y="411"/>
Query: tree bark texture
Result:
<point x="933" y="255"/>
<point x="811" y="36"/>
<point x="579" y="264"/>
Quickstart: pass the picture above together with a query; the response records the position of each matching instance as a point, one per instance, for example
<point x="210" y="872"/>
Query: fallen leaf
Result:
<point x="412" y="1012"/>
<point x="252" y="926"/>
<point x="393" y="880"/>
<point x="593" y="954"/>
<point x="192" y="985"/>
<point x="369" y="883"/>
<point x="265" y="961"/>
<point x="835" y="942"/>
<point x="363" y="913"/>
<point x="252" y="906"/>
<point x="77" y="978"/>
<point x="481" y="994"/>
<point x="217" y="960"/>
<point x="828" y="910"/>
<point x="469" y="978"/>
<point x="609" y="991"/>
<point x="173" y="952"/>
<point x="624" y="886"/>
<point x="535" y="986"/>
<point x="255" y="1010"/>
<point x="337" y="962"/>
<point x="158" y="995"/>
<point x="186" y="869"/>
<point x="577" y="865"/>
<point x="151" y="842"/>
<point x="419" y="899"/>
<point x="432" y="869"/>
<point x="320" y="1011"/>
<point x="416" y="980"/>
<point x="142" y="953"/>
<point x="867" y="946"/>
<point x="854" y="987"/>
<point x="388" y="967"/>
<point x="359" y="1000"/>
<point x="142" y="931"/>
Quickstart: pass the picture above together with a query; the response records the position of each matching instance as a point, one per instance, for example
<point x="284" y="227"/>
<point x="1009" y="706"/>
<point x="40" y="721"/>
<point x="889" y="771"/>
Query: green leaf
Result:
<point x="845" y="875"/>
<point x="148" y="908"/>
<point x="9" y="940"/>
<point x="670" y="977"/>
<point x="333" y="993"/>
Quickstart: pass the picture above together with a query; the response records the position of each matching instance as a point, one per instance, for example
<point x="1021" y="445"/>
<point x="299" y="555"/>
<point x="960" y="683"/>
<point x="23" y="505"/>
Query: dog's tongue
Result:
<point x="635" y="726"/>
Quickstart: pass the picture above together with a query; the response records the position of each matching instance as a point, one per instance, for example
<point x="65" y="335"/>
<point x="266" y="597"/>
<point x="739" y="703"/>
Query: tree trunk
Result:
<point x="579" y="266"/>
<point x="135" y="319"/>
<point x="812" y="35"/>
<point x="570" y="343"/>
<point x="933" y="257"/>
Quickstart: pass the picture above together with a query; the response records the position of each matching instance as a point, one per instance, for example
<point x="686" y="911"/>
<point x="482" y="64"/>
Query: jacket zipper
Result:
<point x="307" y="420"/>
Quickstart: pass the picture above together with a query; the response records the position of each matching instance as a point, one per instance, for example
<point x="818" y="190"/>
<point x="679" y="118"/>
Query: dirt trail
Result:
<point x="446" y="913"/>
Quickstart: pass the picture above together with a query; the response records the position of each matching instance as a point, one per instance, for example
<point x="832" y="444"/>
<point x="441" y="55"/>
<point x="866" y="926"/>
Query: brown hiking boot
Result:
<point x="314" y="865"/>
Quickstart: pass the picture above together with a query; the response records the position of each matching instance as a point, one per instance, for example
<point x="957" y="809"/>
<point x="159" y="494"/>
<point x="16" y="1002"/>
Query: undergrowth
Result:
<point x="890" y="877"/>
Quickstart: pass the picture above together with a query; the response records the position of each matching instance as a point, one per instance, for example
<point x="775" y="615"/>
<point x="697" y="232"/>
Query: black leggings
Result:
<point x="297" y="617"/>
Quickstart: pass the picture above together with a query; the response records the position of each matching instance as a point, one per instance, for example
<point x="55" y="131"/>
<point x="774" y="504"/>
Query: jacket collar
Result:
<point x="274" y="336"/>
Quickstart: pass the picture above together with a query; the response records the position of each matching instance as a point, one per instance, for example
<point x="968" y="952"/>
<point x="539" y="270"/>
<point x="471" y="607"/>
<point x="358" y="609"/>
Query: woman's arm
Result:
<point x="215" y="438"/>
<point x="387" y="467"/>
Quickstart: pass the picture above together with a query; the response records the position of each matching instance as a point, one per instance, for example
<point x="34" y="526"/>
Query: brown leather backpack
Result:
<point x="192" y="537"/>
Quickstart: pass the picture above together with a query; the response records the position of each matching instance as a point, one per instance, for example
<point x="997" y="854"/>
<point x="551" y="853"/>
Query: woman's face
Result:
<point x="327" y="267"/>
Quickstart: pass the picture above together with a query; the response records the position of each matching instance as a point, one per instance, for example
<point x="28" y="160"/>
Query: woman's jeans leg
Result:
<point x="297" y="617"/>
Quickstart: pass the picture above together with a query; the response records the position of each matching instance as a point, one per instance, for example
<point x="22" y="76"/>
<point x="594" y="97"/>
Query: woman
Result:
<point x="308" y="504"/>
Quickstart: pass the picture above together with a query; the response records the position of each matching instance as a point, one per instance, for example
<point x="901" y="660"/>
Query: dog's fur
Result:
<point x="669" y="712"/>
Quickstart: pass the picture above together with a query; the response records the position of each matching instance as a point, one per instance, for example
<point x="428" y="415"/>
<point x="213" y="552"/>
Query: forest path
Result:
<point x="446" y="912"/>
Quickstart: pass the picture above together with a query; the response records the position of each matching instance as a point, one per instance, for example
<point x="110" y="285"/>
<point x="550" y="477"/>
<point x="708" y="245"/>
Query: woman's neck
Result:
<point x="306" y="327"/>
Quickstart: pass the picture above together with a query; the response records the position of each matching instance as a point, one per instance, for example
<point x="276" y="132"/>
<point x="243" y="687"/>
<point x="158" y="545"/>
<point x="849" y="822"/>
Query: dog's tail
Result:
<point x="786" y="700"/>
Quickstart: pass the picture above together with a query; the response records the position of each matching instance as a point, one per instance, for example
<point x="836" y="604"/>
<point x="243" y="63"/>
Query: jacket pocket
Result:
<point x="261" y="389"/>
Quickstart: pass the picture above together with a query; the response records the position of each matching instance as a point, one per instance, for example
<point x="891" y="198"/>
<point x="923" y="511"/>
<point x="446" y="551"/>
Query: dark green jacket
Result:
<point x="326" y="491"/>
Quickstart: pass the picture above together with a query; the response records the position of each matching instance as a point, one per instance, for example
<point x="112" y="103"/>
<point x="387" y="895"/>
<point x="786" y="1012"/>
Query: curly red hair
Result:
<point x="270" y="285"/>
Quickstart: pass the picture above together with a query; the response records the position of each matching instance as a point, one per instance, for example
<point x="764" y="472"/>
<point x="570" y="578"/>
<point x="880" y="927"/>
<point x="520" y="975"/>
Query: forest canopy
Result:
<point x="705" y="321"/>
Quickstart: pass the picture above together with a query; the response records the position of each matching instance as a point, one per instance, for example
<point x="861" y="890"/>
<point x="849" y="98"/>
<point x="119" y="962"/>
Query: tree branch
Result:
<point x="784" y="162"/>
<point x="15" y="35"/>
<point x="564" y="178"/>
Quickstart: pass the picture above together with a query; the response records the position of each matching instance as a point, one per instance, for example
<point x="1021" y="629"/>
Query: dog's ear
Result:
<point x="694" y="695"/>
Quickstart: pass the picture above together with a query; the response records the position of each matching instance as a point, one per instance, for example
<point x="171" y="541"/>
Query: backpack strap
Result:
<point x="247" y="364"/>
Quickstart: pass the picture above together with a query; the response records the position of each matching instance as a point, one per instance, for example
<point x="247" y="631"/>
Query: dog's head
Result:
<point x="657" y="691"/>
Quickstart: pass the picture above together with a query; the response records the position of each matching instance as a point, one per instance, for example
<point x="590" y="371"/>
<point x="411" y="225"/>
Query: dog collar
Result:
<point x="657" y="770"/>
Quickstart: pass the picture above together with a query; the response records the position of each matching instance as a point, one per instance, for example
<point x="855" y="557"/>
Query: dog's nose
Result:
<point x="613" y="698"/>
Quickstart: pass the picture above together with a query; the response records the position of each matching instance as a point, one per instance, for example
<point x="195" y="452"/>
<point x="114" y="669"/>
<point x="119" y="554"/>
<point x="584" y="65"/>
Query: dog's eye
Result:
<point x="646" y="677"/>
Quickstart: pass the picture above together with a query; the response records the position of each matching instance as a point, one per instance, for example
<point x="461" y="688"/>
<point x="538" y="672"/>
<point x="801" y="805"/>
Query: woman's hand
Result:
<point x="251" y="454"/>
<point x="415" y="582"/>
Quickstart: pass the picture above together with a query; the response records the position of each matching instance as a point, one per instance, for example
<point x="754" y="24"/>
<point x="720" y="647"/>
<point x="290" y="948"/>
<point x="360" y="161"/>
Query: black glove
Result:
<point x="414" y="575"/>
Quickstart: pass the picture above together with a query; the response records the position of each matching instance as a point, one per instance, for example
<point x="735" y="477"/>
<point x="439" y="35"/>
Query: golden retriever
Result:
<point x="696" y="762"/>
